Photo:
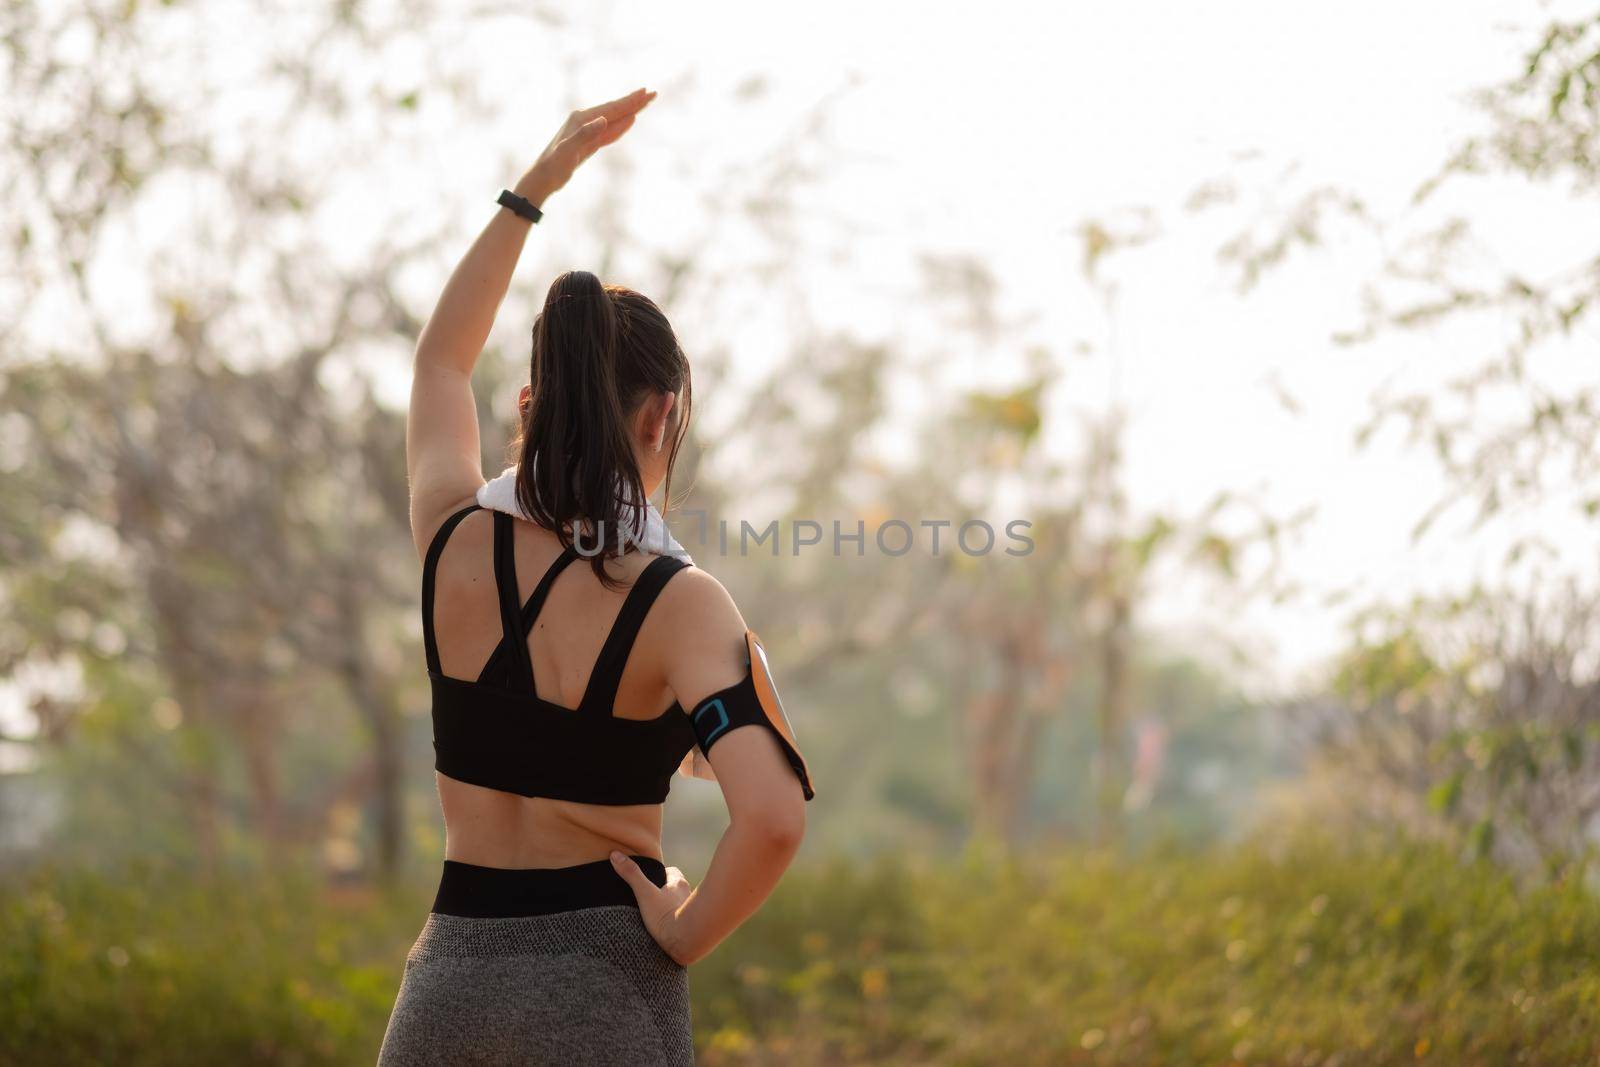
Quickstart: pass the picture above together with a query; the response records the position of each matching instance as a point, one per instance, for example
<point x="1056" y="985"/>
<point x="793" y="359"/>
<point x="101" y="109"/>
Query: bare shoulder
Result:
<point x="430" y="513"/>
<point x="695" y="597"/>
<point x="704" y="637"/>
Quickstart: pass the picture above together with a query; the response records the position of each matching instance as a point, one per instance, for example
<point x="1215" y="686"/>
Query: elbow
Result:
<point x="684" y="957"/>
<point x="782" y="829"/>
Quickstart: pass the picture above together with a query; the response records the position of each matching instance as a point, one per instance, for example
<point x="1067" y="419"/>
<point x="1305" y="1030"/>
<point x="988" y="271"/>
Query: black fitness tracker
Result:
<point x="520" y="205"/>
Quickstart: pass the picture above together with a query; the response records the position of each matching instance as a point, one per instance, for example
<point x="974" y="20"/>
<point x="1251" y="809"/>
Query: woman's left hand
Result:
<point x="586" y="131"/>
<point x="659" y="905"/>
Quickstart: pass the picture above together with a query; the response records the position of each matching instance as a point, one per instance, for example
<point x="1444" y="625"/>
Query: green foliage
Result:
<point x="1016" y="411"/>
<point x="1321" y="954"/>
<point x="147" y="967"/>
<point x="1472" y="718"/>
<point x="1318" y="953"/>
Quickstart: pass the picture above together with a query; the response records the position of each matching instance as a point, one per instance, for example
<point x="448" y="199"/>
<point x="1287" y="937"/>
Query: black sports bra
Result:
<point x="499" y="733"/>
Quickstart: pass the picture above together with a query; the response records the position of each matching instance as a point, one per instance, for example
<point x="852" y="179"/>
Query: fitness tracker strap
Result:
<point x="520" y="205"/>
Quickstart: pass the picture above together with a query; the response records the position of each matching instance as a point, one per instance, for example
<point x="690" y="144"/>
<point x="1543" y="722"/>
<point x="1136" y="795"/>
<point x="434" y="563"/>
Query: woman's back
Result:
<point x="567" y="692"/>
<point x="495" y="827"/>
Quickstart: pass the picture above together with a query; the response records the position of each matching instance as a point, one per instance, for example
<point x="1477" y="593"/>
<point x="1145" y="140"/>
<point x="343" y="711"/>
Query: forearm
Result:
<point x="459" y="326"/>
<point x="744" y="870"/>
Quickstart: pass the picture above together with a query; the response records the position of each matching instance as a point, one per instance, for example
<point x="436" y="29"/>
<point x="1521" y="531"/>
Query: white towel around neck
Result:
<point x="500" y="494"/>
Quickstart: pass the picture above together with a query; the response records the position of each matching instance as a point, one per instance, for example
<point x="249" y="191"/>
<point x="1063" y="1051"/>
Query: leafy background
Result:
<point x="1059" y="820"/>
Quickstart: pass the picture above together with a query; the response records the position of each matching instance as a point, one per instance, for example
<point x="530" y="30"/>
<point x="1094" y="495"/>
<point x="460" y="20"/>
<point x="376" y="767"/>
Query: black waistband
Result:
<point x="504" y="892"/>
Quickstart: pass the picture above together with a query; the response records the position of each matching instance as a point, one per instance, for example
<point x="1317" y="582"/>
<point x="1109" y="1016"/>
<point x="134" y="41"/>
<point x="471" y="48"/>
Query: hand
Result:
<point x="659" y="905"/>
<point x="585" y="131"/>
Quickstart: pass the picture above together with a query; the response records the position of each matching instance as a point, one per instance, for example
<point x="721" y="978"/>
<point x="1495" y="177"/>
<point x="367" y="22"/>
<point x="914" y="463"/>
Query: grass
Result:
<point x="1318" y="954"/>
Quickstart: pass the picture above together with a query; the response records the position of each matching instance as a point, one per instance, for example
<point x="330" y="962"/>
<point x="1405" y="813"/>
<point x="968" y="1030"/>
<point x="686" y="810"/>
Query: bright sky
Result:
<point x="996" y="132"/>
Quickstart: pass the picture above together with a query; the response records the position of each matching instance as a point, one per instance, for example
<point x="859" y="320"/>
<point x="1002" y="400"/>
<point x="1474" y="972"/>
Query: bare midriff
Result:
<point x="492" y="828"/>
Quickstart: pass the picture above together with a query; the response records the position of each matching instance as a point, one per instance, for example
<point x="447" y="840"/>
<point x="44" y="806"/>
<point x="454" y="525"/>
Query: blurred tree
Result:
<point x="1544" y="125"/>
<point x="205" y="530"/>
<point x="1474" y="717"/>
<point x="1074" y="611"/>
<point x="200" y="469"/>
<point x="1026" y="631"/>
<point x="1519" y="423"/>
<point x="203" y="518"/>
<point x="1000" y="635"/>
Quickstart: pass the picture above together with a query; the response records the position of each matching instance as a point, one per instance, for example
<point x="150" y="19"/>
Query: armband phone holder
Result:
<point x="753" y="701"/>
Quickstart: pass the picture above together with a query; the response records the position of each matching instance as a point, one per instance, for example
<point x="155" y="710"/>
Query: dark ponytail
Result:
<point x="598" y="352"/>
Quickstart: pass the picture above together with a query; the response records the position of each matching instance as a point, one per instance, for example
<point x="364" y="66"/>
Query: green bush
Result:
<point x="152" y="968"/>
<point x="1320" y="953"/>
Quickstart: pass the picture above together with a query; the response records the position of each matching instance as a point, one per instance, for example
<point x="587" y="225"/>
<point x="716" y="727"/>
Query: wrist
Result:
<point x="532" y="189"/>
<point x="683" y="947"/>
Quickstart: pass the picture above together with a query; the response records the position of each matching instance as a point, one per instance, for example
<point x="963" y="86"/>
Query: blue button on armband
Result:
<point x="710" y="719"/>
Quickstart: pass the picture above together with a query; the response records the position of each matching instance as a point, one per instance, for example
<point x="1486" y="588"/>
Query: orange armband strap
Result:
<point x="753" y="701"/>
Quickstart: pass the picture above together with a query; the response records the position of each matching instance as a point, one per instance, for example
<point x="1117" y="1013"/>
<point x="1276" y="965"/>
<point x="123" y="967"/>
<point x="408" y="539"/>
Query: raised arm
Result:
<point x="443" y="464"/>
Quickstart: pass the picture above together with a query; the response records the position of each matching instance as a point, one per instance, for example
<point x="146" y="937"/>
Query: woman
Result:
<point x="564" y="697"/>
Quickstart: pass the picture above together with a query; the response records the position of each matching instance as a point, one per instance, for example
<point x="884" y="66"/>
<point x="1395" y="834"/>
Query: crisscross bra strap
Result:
<point x="601" y="692"/>
<point x="512" y="639"/>
<point x="430" y="567"/>
<point x="530" y="613"/>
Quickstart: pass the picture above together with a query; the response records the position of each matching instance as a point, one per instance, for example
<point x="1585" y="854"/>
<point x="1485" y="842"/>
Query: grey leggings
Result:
<point x="584" y="985"/>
